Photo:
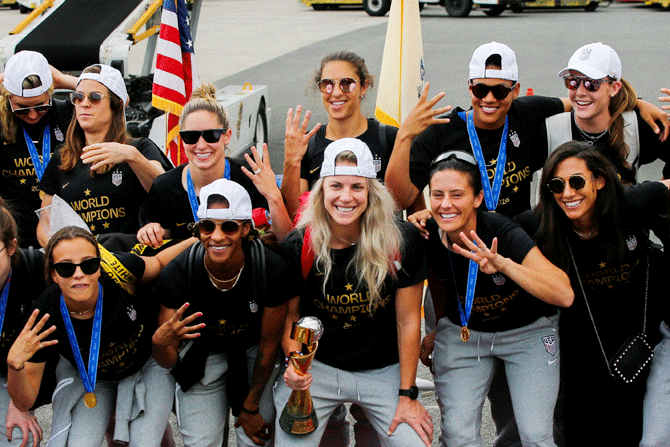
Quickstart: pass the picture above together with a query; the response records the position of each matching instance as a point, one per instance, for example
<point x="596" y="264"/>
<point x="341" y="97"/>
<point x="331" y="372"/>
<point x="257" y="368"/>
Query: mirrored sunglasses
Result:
<point x="209" y="135"/>
<point x="67" y="269"/>
<point x="93" y="97"/>
<point x="22" y="111"/>
<point x="460" y="155"/>
<point x="500" y="91"/>
<point x="347" y="85"/>
<point x="207" y="227"/>
<point x="590" y="85"/>
<point x="557" y="185"/>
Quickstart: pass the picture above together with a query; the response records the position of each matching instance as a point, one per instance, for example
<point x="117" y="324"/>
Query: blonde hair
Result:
<point x="75" y="140"/>
<point x="380" y="240"/>
<point x="623" y="101"/>
<point x="9" y="123"/>
<point x="204" y="98"/>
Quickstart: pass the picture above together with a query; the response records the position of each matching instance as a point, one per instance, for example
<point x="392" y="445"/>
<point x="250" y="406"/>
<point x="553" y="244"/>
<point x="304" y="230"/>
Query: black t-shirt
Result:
<point x="26" y="284"/>
<point x="18" y="182"/>
<point x="227" y="315"/>
<point x="128" y="323"/>
<point x="353" y="338"/>
<point x="525" y="154"/>
<point x="499" y="303"/>
<point x="311" y="162"/>
<point x="168" y="202"/>
<point x="108" y="203"/>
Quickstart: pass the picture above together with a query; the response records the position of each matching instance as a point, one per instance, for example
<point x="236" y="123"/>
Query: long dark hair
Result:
<point x="555" y="227"/>
<point x="65" y="234"/>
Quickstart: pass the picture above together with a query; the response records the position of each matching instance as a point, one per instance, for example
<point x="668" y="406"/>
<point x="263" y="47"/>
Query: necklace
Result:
<point x="589" y="138"/>
<point x="83" y="312"/>
<point x="587" y="235"/>
<point x="213" y="279"/>
<point x="345" y="241"/>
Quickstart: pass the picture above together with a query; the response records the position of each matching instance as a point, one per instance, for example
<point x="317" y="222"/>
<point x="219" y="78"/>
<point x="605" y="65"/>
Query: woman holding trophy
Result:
<point x="362" y="277"/>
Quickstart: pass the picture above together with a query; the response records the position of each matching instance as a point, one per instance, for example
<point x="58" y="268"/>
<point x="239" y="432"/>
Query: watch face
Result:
<point x="413" y="392"/>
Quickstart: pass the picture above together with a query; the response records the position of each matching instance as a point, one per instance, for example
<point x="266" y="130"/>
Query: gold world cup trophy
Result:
<point x="298" y="416"/>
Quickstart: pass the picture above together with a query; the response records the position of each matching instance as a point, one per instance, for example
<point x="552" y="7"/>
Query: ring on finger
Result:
<point x="482" y="248"/>
<point x="257" y="171"/>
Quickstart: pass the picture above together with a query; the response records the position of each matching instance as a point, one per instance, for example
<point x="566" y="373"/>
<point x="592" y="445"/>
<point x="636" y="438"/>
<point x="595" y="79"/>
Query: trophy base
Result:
<point x="296" y="424"/>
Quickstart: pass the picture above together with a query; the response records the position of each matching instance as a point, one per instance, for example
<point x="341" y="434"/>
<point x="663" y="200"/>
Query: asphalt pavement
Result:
<point x="280" y="43"/>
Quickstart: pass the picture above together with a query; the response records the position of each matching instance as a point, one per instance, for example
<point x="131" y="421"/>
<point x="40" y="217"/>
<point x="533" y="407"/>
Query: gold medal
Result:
<point x="465" y="333"/>
<point x="90" y="400"/>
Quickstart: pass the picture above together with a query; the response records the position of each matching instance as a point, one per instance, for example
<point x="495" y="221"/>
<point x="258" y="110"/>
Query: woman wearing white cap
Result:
<point x="93" y="320"/>
<point x="173" y="199"/>
<point x="223" y="307"/>
<point x="604" y="113"/>
<point x="103" y="174"/>
<point x="364" y="281"/>
<point x="32" y="125"/>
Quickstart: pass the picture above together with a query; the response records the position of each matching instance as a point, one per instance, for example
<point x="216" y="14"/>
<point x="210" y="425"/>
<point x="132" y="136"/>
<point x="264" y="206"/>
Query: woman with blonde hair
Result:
<point x="32" y="125"/>
<point x="103" y="174"/>
<point x="173" y="198"/>
<point x="364" y="281"/>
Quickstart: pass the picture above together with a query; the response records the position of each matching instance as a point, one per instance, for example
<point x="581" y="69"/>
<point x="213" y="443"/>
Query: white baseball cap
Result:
<point x="239" y="202"/>
<point x="595" y="60"/>
<point x="111" y="78"/>
<point x="365" y="166"/>
<point x="24" y="64"/>
<point x="508" y="67"/>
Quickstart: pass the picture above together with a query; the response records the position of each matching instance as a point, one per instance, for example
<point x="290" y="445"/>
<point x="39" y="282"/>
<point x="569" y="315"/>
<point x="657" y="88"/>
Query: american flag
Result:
<point x="175" y="75"/>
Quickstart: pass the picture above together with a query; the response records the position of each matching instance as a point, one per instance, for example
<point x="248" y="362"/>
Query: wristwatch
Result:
<point x="412" y="392"/>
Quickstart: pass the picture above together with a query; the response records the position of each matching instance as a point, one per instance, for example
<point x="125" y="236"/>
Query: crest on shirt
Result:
<point x="117" y="177"/>
<point x="59" y="134"/>
<point x="631" y="242"/>
<point x="550" y="344"/>
<point x="515" y="138"/>
<point x="498" y="279"/>
<point x="378" y="163"/>
<point x="586" y="52"/>
<point x="253" y="307"/>
<point x="132" y="313"/>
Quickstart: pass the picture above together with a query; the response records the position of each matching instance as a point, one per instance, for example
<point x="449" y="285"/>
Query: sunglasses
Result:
<point x="67" y="269"/>
<point x="207" y="227"/>
<point x="26" y="110"/>
<point x="93" y="97"/>
<point x="459" y="155"/>
<point x="192" y="136"/>
<point x="347" y="85"/>
<point x="500" y="91"/>
<point x="557" y="185"/>
<point x="590" y="85"/>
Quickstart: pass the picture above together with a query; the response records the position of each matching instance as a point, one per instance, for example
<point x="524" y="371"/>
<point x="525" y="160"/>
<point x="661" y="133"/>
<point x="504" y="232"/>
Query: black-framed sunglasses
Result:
<point x="66" y="269"/>
<point x="207" y="227"/>
<point x="347" y="85"/>
<point x="460" y="155"/>
<point x="23" y="111"/>
<point x="209" y="135"/>
<point x="557" y="185"/>
<point x="500" y="91"/>
<point x="590" y="85"/>
<point x="93" y="97"/>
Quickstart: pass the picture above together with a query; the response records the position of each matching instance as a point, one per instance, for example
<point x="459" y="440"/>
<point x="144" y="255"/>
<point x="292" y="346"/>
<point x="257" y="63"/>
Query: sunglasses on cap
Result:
<point x="209" y="135"/>
<point x="67" y="269"/>
<point x="22" y="111"/>
<point x="207" y="227"/>
<point x="347" y="85"/>
<point x="590" y="85"/>
<point x="557" y="185"/>
<point x="459" y="155"/>
<point x="93" y="97"/>
<point x="500" y="91"/>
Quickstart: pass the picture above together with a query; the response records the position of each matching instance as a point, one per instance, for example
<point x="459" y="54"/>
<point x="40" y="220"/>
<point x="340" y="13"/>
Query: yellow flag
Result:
<point x="402" y="75"/>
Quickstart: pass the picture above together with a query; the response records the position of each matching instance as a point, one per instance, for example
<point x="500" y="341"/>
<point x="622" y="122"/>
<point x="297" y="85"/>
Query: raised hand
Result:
<point x="177" y="329"/>
<point x="29" y="341"/>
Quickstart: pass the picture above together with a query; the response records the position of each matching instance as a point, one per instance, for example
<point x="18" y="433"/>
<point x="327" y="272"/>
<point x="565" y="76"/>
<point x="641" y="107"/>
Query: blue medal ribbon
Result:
<point x="464" y="313"/>
<point x="87" y="377"/>
<point x="3" y="301"/>
<point x="40" y="166"/>
<point x="491" y="192"/>
<point x="190" y="189"/>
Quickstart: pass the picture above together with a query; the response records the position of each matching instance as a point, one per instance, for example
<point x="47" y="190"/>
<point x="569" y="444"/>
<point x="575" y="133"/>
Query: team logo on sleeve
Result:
<point x="631" y="242"/>
<point x="550" y="344"/>
<point x="117" y="177"/>
<point x="498" y="279"/>
<point x="515" y="138"/>
<point x="59" y="134"/>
